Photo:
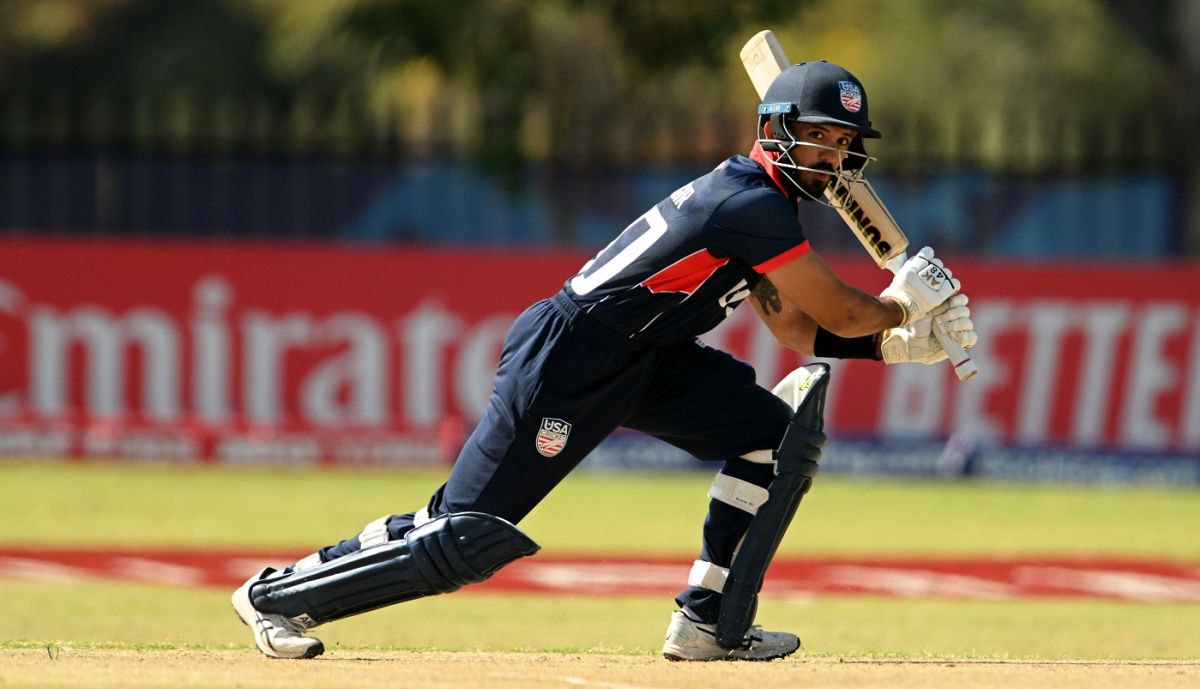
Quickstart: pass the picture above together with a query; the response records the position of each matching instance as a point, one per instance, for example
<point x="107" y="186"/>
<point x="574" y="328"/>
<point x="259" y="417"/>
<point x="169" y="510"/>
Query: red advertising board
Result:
<point x="400" y="343"/>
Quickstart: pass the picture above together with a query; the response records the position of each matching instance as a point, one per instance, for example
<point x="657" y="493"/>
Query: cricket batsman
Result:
<point x="617" y="346"/>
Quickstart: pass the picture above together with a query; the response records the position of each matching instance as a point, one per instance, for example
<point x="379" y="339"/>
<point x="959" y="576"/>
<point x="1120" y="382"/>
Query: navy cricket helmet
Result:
<point x="822" y="93"/>
<point x="816" y="93"/>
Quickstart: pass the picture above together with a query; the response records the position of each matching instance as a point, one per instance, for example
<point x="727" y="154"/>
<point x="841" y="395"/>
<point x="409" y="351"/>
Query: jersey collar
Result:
<point x="765" y="160"/>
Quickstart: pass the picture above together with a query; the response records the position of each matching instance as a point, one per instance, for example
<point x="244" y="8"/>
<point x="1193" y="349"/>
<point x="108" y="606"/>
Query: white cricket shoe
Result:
<point x="277" y="636"/>
<point x="689" y="640"/>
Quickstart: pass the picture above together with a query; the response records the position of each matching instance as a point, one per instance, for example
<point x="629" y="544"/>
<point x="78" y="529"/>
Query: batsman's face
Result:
<point x="826" y="151"/>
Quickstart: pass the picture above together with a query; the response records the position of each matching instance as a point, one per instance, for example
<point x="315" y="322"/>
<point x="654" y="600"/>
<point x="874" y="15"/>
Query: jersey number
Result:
<point x="644" y="232"/>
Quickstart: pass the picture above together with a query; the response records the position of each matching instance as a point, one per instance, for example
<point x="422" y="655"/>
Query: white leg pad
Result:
<point x="375" y="533"/>
<point x="738" y="493"/>
<point x="421" y="518"/>
<point x="706" y="575"/>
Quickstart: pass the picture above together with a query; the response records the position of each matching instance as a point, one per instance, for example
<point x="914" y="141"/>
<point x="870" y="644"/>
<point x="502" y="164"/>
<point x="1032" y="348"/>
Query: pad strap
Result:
<point x="706" y="575"/>
<point x="735" y="492"/>
<point x="307" y="562"/>
<point x="375" y="533"/>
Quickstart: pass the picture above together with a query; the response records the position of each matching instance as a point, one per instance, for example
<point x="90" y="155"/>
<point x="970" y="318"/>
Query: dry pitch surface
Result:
<point x="142" y="669"/>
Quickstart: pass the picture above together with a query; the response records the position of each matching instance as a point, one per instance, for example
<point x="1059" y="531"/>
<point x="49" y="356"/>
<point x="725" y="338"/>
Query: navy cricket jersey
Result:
<point x="682" y="267"/>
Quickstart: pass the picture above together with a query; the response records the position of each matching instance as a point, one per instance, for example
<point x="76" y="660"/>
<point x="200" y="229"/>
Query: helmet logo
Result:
<point x="851" y="96"/>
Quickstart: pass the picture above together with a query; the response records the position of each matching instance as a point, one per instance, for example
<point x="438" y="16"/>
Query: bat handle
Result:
<point x="964" y="366"/>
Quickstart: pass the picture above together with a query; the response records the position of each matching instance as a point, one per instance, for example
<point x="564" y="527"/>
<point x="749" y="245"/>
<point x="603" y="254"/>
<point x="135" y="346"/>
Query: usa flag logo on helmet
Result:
<point x="851" y="96"/>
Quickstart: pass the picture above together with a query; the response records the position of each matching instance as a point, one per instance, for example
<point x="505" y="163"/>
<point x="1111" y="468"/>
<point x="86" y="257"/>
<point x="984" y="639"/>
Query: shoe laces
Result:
<point x="753" y="634"/>
<point x="298" y="627"/>
<point x="287" y="624"/>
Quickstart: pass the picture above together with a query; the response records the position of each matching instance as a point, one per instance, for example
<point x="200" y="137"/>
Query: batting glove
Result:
<point x="915" y="342"/>
<point x="920" y="285"/>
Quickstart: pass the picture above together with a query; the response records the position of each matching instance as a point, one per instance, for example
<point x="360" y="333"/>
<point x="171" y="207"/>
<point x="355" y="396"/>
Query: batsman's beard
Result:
<point x="813" y="184"/>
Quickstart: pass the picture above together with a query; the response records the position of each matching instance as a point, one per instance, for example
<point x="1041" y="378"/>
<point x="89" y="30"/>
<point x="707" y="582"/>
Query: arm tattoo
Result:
<point x="767" y="296"/>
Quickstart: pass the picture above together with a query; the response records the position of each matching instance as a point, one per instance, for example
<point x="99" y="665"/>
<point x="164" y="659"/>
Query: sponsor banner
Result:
<point x="163" y="348"/>
<point x="921" y="458"/>
<point x="1138" y="581"/>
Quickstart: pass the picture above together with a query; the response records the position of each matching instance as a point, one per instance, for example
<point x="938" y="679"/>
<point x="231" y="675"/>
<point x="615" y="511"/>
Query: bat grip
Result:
<point x="964" y="366"/>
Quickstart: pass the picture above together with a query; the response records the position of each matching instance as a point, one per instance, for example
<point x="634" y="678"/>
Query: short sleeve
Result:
<point x="759" y="227"/>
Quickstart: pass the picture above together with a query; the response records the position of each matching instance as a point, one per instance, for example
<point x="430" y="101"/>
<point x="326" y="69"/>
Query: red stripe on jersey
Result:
<point x="686" y="274"/>
<point x="767" y="160"/>
<point x="786" y="257"/>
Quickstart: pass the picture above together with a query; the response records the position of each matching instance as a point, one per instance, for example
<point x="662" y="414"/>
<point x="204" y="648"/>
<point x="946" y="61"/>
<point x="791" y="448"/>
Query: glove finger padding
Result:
<point x="955" y="314"/>
<point x="954" y="319"/>
<point x="962" y="330"/>
<point x="956" y="301"/>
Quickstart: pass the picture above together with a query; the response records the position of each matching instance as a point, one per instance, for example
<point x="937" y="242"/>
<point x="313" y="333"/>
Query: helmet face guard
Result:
<point x="854" y="160"/>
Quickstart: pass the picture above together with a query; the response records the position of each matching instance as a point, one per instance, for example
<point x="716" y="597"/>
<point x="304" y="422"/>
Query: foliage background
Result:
<point x="1025" y="87"/>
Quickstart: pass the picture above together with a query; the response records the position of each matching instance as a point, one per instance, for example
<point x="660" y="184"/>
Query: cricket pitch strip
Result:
<point x="143" y="669"/>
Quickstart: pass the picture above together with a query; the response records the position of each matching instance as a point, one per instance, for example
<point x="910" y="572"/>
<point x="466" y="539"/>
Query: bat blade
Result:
<point x="863" y="211"/>
<point x="764" y="58"/>
<point x="857" y="203"/>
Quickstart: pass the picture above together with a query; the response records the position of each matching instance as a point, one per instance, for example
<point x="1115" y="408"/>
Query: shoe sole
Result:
<point x="677" y="655"/>
<point x="674" y="658"/>
<point x="682" y="659"/>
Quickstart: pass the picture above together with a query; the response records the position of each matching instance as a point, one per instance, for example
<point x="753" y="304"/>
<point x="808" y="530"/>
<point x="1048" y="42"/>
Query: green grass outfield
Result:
<point x="86" y="505"/>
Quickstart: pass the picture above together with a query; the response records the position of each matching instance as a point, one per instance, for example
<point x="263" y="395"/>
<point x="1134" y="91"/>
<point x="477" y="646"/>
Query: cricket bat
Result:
<point x="856" y="202"/>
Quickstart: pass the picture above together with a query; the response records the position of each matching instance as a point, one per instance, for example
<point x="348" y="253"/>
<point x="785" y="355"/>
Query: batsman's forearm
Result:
<point x="862" y="314"/>
<point x="791" y="327"/>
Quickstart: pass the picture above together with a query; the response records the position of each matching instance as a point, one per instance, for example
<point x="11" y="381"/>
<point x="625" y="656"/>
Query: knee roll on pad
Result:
<point x="440" y="556"/>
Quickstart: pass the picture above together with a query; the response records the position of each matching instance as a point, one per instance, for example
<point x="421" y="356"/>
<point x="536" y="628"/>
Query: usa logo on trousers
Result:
<point x="552" y="436"/>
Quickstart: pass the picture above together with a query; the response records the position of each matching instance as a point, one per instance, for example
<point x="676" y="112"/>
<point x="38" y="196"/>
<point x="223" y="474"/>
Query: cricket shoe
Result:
<point x="277" y="636"/>
<point x="691" y="640"/>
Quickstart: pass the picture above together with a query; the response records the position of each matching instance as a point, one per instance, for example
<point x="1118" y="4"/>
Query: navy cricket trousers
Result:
<point x="558" y="367"/>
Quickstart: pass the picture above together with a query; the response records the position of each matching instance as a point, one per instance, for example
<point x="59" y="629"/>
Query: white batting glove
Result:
<point x="915" y="342"/>
<point x="921" y="284"/>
